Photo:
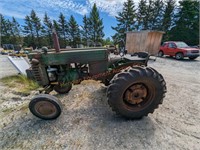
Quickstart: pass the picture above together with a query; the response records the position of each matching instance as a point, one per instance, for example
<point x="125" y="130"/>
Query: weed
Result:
<point x="20" y="84"/>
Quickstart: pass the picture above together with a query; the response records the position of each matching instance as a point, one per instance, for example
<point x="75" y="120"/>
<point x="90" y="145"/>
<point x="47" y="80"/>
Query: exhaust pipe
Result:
<point x="55" y="41"/>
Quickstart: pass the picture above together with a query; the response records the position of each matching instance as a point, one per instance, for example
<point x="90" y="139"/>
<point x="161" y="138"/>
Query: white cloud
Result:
<point x="11" y="13"/>
<point x="21" y="8"/>
<point x="112" y="7"/>
<point x="64" y="6"/>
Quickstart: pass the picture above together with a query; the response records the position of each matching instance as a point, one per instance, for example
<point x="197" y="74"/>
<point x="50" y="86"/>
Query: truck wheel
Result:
<point x="45" y="106"/>
<point x="137" y="92"/>
<point x="160" y="54"/>
<point x="179" y="56"/>
<point x="63" y="89"/>
<point x="192" y="58"/>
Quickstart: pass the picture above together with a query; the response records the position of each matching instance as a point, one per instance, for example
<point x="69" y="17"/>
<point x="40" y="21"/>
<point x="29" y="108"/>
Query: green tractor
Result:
<point x="134" y="90"/>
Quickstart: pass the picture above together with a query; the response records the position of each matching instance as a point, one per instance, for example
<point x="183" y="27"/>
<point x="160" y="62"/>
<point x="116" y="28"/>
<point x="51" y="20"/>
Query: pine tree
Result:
<point x="168" y="14"/>
<point x="107" y="41"/>
<point x="37" y="27"/>
<point x="187" y="23"/>
<point x="5" y="30"/>
<point x="168" y="18"/>
<point x="74" y="32"/>
<point x="126" y="21"/>
<point x="29" y="33"/>
<point x="141" y="14"/>
<point x="15" y="32"/>
<point x="149" y="15"/>
<point x="62" y="30"/>
<point x="85" y="30"/>
<point x="95" y="26"/>
<point x="55" y="25"/>
<point x="156" y="22"/>
<point x="48" y="29"/>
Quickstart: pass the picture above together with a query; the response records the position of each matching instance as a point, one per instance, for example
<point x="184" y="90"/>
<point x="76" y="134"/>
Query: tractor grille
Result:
<point x="36" y="73"/>
<point x="40" y="74"/>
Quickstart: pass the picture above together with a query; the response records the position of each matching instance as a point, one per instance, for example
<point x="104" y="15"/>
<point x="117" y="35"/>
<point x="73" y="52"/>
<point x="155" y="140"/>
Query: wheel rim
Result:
<point x="45" y="108"/>
<point x="178" y="56"/>
<point x="137" y="96"/>
<point x="160" y="54"/>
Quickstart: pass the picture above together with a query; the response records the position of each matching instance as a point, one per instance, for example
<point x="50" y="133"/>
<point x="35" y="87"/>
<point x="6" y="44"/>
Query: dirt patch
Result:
<point x="87" y="122"/>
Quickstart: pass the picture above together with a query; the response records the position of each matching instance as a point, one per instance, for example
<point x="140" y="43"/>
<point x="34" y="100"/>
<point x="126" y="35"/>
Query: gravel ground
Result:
<point x="87" y="122"/>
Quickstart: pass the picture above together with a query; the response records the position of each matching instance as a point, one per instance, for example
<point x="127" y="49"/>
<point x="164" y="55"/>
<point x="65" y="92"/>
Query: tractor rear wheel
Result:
<point x="63" y="89"/>
<point x="136" y="92"/>
<point x="45" y="106"/>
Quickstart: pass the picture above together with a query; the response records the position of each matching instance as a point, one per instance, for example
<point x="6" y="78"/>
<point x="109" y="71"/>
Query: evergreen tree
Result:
<point x="15" y="32"/>
<point x="48" y="29"/>
<point x="55" y="25"/>
<point x="141" y="14"/>
<point x="33" y="30"/>
<point x="62" y="30"/>
<point x="168" y="18"/>
<point x="37" y="27"/>
<point x="29" y="39"/>
<point x="85" y="30"/>
<point x="149" y="15"/>
<point x="156" y="21"/>
<point x="5" y="30"/>
<point x="187" y="23"/>
<point x="107" y="41"/>
<point x="168" y="15"/>
<point x="126" y="21"/>
<point x="95" y="26"/>
<point x="74" y="32"/>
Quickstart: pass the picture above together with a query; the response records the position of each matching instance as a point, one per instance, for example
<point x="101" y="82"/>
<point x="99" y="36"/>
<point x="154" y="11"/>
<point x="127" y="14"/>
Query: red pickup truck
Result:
<point x="179" y="50"/>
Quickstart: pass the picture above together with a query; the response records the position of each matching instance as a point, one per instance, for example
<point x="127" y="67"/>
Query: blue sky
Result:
<point x="20" y="8"/>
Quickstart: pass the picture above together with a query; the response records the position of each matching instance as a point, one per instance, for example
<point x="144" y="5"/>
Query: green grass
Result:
<point x="20" y="84"/>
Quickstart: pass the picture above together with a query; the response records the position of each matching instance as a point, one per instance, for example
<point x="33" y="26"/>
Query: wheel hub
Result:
<point x="136" y="94"/>
<point x="45" y="108"/>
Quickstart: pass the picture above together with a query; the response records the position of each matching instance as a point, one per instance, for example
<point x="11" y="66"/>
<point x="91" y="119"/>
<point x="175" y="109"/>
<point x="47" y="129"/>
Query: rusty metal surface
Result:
<point x="136" y="94"/>
<point x="55" y="41"/>
<point x="45" y="108"/>
<point x="143" y="41"/>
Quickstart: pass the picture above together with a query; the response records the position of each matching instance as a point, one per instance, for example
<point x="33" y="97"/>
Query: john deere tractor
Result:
<point x="133" y="89"/>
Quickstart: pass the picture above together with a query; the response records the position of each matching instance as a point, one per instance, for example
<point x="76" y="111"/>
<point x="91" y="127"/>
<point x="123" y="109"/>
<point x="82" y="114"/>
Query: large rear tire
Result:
<point x="136" y="92"/>
<point x="45" y="106"/>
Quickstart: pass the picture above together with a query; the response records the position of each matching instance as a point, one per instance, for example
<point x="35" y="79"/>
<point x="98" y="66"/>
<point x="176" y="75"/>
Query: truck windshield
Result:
<point x="181" y="44"/>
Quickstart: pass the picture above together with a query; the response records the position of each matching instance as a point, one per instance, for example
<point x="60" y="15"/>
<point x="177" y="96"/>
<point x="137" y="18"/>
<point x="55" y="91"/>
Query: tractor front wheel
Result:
<point x="45" y="106"/>
<point x="136" y="92"/>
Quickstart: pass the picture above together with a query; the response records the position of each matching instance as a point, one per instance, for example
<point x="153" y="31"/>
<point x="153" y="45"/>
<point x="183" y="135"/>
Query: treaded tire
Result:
<point x="160" y="53"/>
<point x="45" y="106"/>
<point x="179" y="56"/>
<point x="149" y="79"/>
